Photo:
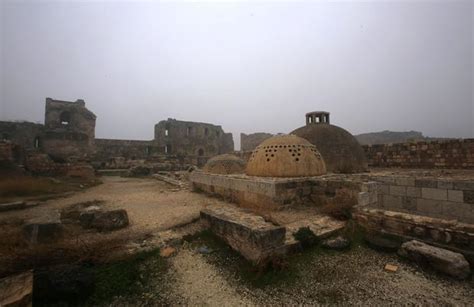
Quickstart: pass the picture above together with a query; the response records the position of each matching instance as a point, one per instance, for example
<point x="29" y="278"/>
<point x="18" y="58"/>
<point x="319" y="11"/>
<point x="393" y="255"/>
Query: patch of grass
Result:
<point x="127" y="277"/>
<point x="306" y="237"/>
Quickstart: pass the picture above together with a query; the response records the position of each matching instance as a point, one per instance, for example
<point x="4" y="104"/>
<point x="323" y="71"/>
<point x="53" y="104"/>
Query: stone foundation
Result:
<point x="272" y="193"/>
<point x="250" y="235"/>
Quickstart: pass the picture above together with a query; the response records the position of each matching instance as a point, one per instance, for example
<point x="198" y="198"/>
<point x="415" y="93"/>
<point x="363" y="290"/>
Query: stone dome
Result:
<point x="340" y="150"/>
<point x="225" y="164"/>
<point x="285" y="156"/>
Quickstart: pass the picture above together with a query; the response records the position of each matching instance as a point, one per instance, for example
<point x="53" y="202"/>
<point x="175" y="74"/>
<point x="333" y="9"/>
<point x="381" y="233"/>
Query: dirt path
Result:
<point x="151" y="205"/>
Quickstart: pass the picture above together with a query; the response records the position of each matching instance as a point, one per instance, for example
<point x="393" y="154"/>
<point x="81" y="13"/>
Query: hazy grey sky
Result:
<point x="247" y="66"/>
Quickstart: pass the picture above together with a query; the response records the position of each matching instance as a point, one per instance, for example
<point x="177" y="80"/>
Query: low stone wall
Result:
<point x="440" y="198"/>
<point x="270" y="193"/>
<point x="439" y="232"/>
<point x="457" y="153"/>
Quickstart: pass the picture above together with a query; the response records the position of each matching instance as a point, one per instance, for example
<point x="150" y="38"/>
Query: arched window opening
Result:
<point x="65" y="118"/>
<point x="188" y="131"/>
<point x="206" y="131"/>
<point x="201" y="152"/>
<point x="167" y="148"/>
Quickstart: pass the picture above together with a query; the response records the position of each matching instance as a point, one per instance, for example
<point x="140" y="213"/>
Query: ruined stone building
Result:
<point x="191" y="138"/>
<point x="69" y="133"/>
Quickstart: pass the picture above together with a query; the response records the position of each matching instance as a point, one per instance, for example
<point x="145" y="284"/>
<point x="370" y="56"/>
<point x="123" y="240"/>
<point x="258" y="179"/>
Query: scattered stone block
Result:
<point x="106" y="221"/>
<point x="46" y="229"/>
<point x="17" y="205"/>
<point x="17" y="290"/>
<point x="338" y="243"/>
<point x="442" y="260"/>
<point x="247" y="233"/>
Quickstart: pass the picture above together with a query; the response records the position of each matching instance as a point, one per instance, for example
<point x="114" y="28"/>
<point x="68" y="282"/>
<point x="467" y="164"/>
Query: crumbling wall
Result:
<point x="435" y="154"/>
<point x="129" y="149"/>
<point x="249" y="142"/>
<point x="25" y="134"/>
<point x="191" y="138"/>
<point x="69" y="129"/>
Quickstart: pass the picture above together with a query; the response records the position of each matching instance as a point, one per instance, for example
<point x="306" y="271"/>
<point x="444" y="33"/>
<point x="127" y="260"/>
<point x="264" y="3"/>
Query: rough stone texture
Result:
<point x="249" y="142"/>
<point x="104" y="220"/>
<point x="444" y="233"/>
<point x="225" y="164"/>
<point x="46" y="229"/>
<point x="435" y="154"/>
<point x="106" y="149"/>
<point x="249" y="234"/>
<point x="340" y="150"/>
<point x="442" y="260"/>
<point x="23" y="134"/>
<point x="191" y="138"/>
<point x="17" y="205"/>
<point x="378" y="242"/>
<point x="17" y="290"/>
<point x="285" y="156"/>
<point x="266" y="192"/>
<point x="80" y="170"/>
<point x="338" y="243"/>
<point x="69" y="129"/>
<point x="428" y="196"/>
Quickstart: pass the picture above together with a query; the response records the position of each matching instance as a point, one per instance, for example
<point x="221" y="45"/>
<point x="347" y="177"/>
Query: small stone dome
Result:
<point x="285" y="156"/>
<point x="340" y="150"/>
<point x="225" y="164"/>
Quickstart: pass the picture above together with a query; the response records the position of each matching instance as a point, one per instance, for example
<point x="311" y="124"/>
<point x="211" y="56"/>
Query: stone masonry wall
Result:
<point x="192" y="138"/>
<point x="439" y="198"/>
<point x="249" y="142"/>
<point x="271" y="193"/>
<point x="435" y="154"/>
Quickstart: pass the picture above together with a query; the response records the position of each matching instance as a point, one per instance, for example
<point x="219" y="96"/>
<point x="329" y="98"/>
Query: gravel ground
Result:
<point x="355" y="277"/>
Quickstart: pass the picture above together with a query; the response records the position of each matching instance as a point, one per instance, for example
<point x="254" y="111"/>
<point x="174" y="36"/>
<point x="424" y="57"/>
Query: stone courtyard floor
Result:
<point x="218" y="276"/>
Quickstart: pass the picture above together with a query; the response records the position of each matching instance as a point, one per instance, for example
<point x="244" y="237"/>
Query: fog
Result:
<point x="250" y="67"/>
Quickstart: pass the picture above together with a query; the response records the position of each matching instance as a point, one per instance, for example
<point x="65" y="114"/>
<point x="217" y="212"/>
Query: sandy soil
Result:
<point x="151" y="205"/>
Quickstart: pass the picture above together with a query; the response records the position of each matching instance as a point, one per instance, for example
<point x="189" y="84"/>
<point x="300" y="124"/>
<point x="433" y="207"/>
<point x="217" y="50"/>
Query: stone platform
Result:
<point x="258" y="239"/>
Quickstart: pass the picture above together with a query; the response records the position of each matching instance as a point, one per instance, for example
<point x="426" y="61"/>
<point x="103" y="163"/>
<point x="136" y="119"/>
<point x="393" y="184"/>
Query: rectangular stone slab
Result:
<point x="247" y="233"/>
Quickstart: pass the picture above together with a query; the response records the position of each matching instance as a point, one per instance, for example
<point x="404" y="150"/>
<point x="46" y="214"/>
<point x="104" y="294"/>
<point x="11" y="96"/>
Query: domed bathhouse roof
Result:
<point x="285" y="156"/>
<point x="225" y="164"/>
<point x="340" y="149"/>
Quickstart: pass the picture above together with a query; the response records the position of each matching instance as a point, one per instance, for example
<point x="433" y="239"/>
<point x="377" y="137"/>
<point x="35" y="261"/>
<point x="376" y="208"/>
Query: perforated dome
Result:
<point x="225" y="164"/>
<point x="285" y="156"/>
